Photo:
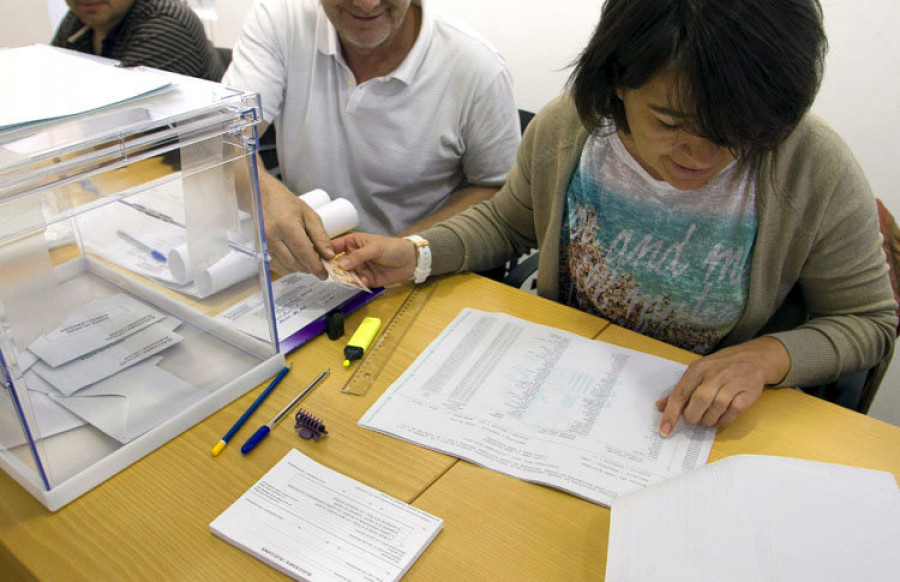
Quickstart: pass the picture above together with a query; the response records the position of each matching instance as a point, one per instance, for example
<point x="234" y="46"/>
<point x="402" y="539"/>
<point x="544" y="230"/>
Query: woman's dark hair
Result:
<point x="746" y="70"/>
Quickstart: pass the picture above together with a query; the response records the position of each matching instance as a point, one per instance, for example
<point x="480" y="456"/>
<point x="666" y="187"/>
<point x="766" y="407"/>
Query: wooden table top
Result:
<point x="151" y="521"/>
<point x="507" y="529"/>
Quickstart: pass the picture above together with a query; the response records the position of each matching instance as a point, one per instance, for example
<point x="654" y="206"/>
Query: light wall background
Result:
<point x="860" y="96"/>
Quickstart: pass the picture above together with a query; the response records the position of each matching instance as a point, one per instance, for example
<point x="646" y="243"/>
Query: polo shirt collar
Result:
<point x="328" y="43"/>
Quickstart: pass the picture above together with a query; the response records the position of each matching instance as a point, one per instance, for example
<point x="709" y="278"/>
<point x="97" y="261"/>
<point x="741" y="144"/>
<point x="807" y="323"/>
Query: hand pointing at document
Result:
<point x="716" y="389"/>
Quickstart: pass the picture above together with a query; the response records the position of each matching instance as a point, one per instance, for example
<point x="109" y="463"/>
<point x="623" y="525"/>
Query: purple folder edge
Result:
<point x="318" y="326"/>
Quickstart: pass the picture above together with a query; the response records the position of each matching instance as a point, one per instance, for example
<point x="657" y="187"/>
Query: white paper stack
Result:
<point x="759" y="518"/>
<point x="316" y="524"/>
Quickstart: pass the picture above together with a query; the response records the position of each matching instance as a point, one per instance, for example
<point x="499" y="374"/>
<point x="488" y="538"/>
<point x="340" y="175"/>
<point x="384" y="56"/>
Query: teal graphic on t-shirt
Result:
<point x="676" y="272"/>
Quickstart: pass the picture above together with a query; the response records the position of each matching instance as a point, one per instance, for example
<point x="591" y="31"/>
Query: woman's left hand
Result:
<point x="716" y="389"/>
<point x="378" y="260"/>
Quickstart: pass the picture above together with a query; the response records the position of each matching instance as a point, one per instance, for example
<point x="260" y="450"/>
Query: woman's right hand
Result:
<point x="378" y="260"/>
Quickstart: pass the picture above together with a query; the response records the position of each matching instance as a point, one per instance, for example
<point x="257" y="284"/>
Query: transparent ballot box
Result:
<point x="130" y="242"/>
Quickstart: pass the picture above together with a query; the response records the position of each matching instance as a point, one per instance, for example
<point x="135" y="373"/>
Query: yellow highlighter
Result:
<point x="361" y="340"/>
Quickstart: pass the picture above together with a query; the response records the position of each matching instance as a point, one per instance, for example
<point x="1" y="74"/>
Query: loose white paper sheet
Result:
<point x="299" y="298"/>
<point x="26" y="360"/>
<point x="543" y="405"/>
<point x="138" y="232"/>
<point x="757" y="518"/>
<point x="52" y="82"/>
<point x="315" y="524"/>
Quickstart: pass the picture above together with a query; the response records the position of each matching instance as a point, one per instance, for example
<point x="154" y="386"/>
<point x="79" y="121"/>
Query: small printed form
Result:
<point x="542" y="405"/>
<point x="98" y="324"/>
<point x="72" y="376"/>
<point x="315" y="524"/>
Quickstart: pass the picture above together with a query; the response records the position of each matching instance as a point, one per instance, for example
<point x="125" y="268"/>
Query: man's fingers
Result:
<point x="295" y="235"/>
<point x="319" y="238"/>
<point x="300" y="254"/>
<point x="283" y="261"/>
<point x="287" y="260"/>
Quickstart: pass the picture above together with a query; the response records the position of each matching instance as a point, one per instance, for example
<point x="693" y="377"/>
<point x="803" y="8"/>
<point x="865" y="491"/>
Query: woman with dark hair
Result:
<point x="681" y="189"/>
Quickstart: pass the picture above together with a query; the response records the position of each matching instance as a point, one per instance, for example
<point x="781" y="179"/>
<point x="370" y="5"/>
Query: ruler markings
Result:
<point x="375" y="359"/>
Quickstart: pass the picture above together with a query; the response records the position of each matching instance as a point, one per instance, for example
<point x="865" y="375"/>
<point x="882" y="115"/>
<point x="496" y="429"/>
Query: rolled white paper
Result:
<point x="232" y="268"/>
<point x="180" y="264"/>
<point x="316" y="198"/>
<point x="338" y="216"/>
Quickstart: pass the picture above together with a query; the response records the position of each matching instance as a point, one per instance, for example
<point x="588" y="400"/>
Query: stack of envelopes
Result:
<point x="102" y="367"/>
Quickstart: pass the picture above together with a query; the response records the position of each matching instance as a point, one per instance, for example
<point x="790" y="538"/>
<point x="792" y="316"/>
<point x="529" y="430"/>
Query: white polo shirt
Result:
<point x="396" y="146"/>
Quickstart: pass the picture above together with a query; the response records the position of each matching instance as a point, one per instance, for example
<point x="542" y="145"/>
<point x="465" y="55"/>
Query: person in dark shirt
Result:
<point x="164" y="34"/>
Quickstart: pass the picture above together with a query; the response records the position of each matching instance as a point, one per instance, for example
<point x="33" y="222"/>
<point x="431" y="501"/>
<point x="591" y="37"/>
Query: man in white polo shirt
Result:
<point x="406" y="113"/>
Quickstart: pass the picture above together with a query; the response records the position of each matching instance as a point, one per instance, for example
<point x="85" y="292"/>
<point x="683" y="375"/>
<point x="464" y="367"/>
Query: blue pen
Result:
<point x="152" y="252"/>
<point x="259" y="399"/>
<point x="264" y="430"/>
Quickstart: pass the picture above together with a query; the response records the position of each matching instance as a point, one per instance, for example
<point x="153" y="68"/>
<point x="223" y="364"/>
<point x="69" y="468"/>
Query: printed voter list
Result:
<point x="542" y="405"/>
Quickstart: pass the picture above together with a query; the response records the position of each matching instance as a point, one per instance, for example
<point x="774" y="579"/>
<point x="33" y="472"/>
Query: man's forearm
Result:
<point x="242" y="182"/>
<point x="459" y="201"/>
<point x="267" y="182"/>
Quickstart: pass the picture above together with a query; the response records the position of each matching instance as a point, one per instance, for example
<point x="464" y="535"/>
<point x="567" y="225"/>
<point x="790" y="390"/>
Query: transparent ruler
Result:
<point x="373" y="362"/>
